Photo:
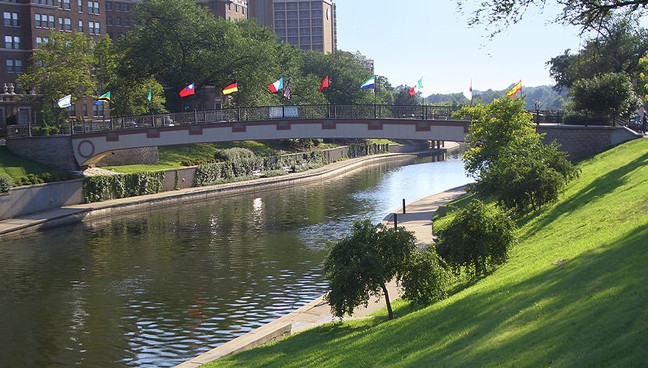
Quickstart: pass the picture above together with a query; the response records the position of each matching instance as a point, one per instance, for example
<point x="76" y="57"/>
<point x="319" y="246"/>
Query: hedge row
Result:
<point x="103" y="188"/>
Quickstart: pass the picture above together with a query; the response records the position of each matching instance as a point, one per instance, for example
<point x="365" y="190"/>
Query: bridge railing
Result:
<point x="265" y="113"/>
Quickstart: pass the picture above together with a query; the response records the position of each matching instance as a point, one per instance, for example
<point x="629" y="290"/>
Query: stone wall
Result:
<point x="135" y="156"/>
<point x="36" y="198"/>
<point x="584" y="141"/>
<point x="53" y="151"/>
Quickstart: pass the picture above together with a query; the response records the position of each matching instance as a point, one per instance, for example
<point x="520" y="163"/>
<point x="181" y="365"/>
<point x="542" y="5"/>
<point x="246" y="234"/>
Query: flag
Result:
<point x="189" y="90"/>
<point x="230" y="89"/>
<point x="104" y="98"/>
<point x="325" y="84"/>
<point x="287" y="91"/>
<point x="417" y="88"/>
<point x="516" y="88"/>
<point x="276" y="86"/>
<point x="65" y="102"/>
<point x="369" y="83"/>
<point x="150" y="95"/>
<point x="469" y="93"/>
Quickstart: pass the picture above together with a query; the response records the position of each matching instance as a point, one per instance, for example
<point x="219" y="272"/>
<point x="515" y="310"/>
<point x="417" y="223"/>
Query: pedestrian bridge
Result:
<point x="93" y="140"/>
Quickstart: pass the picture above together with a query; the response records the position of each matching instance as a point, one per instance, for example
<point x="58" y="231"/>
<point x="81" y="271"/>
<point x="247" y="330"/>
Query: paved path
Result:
<point x="417" y="219"/>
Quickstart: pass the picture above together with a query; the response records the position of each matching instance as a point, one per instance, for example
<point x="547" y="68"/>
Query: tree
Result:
<point x="60" y="67"/>
<point x="507" y="158"/>
<point x="477" y="239"/>
<point x="345" y="72"/>
<point x="587" y="14"/>
<point x="607" y="95"/>
<point x="425" y="280"/>
<point x="361" y="264"/>
<point x="617" y="48"/>
<point x="644" y="76"/>
<point x="494" y="127"/>
<point x="130" y="91"/>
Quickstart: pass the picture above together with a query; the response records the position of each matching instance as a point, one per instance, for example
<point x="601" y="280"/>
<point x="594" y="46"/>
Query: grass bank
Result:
<point x="574" y="293"/>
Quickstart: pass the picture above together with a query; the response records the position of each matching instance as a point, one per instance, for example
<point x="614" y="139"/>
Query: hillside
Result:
<point x="546" y="96"/>
<point x="574" y="293"/>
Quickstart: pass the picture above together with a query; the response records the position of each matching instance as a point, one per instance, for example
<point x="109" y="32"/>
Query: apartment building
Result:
<point x="26" y="23"/>
<point x="308" y="25"/>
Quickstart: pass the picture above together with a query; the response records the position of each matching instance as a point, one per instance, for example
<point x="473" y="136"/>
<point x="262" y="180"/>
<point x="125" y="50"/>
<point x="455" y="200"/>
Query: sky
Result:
<point x="430" y="39"/>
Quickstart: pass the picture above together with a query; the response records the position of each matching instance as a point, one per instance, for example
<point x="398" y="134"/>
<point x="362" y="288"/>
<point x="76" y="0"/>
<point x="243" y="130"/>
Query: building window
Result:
<point x="12" y="42"/>
<point x="80" y="5"/>
<point x="126" y="22"/>
<point x="66" y="5"/>
<point x="50" y="21"/>
<point x="85" y="110"/>
<point x="126" y="7"/>
<point x="24" y="115"/>
<point x="14" y="66"/>
<point x="93" y="7"/>
<point x="108" y="5"/>
<point x="93" y="28"/>
<point x="40" y="40"/>
<point x="60" y="22"/>
<point x="72" y="111"/>
<point x="11" y="19"/>
<point x="80" y="26"/>
<point x="117" y="6"/>
<point x="37" y="21"/>
<point x="67" y="24"/>
<point x="98" y="109"/>
<point x="109" y="21"/>
<point x="118" y="21"/>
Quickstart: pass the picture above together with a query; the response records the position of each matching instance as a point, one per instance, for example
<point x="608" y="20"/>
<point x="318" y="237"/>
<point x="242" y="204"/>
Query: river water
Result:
<point x="157" y="288"/>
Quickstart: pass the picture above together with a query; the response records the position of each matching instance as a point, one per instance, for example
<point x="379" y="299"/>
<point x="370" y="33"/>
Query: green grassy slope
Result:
<point x="573" y="294"/>
<point x="16" y="167"/>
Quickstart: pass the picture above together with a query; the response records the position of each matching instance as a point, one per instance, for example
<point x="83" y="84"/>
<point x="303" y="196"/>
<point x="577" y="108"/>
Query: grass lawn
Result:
<point x="573" y="294"/>
<point x="16" y="167"/>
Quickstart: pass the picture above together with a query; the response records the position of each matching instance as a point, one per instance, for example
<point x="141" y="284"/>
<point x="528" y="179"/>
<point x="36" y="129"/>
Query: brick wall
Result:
<point x="584" y="141"/>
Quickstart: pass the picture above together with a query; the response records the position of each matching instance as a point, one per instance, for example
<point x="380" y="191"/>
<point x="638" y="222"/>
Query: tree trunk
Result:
<point x="389" y="308"/>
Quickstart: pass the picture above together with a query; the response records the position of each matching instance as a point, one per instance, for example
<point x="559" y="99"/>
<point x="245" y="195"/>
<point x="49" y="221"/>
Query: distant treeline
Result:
<point x="546" y="97"/>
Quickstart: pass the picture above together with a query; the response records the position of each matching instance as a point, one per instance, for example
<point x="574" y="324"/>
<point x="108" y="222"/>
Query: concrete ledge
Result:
<point x="262" y="335"/>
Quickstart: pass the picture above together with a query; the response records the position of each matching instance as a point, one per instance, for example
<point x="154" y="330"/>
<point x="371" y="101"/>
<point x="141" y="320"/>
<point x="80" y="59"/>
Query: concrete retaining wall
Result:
<point x="36" y="198"/>
<point x="135" y="156"/>
<point x="584" y="141"/>
<point x="53" y="151"/>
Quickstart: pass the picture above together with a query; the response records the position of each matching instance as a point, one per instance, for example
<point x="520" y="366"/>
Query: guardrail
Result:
<point x="266" y="113"/>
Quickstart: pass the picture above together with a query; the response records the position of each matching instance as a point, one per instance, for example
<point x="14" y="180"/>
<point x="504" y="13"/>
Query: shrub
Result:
<point x="425" y="279"/>
<point x="5" y="184"/>
<point x="477" y="239"/>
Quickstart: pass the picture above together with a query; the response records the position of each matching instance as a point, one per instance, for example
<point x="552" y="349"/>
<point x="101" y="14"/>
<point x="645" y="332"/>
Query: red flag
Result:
<point x="325" y="84"/>
<point x="412" y="91"/>
<point x="188" y="91"/>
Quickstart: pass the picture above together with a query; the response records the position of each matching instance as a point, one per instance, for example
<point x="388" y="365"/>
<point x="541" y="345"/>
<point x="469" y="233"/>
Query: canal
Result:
<point x="155" y="289"/>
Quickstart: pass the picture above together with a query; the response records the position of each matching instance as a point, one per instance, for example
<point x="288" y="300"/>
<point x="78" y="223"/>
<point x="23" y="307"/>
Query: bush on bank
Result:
<point x="5" y="184"/>
<point x="104" y="188"/>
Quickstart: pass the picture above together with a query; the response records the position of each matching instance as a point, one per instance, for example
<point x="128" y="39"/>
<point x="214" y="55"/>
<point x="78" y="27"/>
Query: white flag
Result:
<point x="469" y="93"/>
<point x="65" y="102"/>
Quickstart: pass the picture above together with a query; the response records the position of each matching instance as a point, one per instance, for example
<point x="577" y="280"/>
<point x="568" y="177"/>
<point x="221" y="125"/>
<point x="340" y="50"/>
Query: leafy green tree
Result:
<point x="345" y="72"/>
<point x="527" y="175"/>
<point x="507" y="158"/>
<point x="361" y="264"/>
<point x="129" y="93"/>
<point x="606" y="95"/>
<point x="61" y="67"/>
<point x="425" y="279"/>
<point x="587" y="14"/>
<point x="644" y="77"/>
<point x="494" y="127"/>
<point x="617" y="48"/>
<point x="477" y="240"/>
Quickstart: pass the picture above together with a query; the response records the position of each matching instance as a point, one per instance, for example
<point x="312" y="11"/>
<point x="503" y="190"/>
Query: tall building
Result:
<point x="26" y="23"/>
<point x="233" y="10"/>
<point x="308" y="25"/>
<point x="118" y="17"/>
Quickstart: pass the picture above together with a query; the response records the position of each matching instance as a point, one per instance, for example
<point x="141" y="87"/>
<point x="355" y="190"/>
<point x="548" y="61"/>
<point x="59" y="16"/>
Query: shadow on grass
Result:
<point x="587" y="311"/>
<point x="603" y="185"/>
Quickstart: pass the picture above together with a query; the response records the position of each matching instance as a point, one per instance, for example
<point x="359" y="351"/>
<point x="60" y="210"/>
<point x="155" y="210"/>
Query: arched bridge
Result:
<point x="93" y="140"/>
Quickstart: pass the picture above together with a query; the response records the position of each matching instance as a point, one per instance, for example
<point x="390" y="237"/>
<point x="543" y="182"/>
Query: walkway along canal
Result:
<point x="155" y="288"/>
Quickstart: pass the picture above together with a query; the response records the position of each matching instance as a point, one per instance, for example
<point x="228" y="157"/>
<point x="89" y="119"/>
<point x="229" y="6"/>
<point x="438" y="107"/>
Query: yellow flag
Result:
<point x="516" y="88"/>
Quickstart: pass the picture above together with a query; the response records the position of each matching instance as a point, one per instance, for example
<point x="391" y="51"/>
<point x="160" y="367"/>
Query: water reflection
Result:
<point x="154" y="289"/>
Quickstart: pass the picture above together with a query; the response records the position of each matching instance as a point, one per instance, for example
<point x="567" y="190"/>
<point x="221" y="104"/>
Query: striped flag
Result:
<point x="516" y="88"/>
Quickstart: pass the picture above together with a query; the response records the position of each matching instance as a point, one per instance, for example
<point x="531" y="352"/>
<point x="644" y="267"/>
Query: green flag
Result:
<point x="150" y="94"/>
<point x="104" y="98"/>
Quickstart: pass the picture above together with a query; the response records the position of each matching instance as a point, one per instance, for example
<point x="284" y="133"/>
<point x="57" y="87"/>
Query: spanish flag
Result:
<point x="230" y="89"/>
<point x="516" y="88"/>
